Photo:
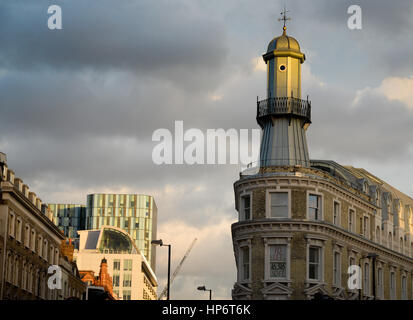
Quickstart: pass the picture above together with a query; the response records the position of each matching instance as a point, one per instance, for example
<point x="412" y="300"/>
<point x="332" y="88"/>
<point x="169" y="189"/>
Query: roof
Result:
<point x="358" y="177"/>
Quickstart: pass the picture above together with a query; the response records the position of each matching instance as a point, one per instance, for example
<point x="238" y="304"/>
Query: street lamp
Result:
<point x="160" y="243"/>
<point x="373" y="256"/>
<point x="202" y="288"/>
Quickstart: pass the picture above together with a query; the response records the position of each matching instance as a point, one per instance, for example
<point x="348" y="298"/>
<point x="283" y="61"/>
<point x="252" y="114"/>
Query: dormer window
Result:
<point x="377" y="197"/>
<point x="389" y="210"/>
<point x="366" y="187"/>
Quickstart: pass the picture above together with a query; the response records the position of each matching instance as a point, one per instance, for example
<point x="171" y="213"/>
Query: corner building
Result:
<point x="303" y="222"/>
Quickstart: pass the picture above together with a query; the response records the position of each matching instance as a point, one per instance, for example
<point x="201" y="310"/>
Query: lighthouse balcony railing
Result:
<point x="284" y="106"/>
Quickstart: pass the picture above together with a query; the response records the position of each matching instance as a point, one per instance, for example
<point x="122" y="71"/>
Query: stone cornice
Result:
<point x="30" y="207"/>
<point x="305" y="181"/>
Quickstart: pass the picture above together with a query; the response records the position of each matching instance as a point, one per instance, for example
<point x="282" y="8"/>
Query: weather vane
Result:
<point x="284" y="17"/>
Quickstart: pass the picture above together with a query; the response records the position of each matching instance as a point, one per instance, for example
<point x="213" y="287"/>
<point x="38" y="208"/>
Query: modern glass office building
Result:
<point x="69" y="218"/>
<point x="134" y="213"/>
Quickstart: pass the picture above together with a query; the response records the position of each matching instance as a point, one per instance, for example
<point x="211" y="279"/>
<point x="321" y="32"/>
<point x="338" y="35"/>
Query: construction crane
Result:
<point x="178" y="268"/>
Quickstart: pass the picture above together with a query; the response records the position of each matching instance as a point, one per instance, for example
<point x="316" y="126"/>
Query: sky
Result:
<point x="79" y="105"/>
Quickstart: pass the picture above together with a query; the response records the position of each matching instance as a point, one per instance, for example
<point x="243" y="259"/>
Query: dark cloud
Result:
<point x="173" y="41"/>
<point x="374" y="128"/>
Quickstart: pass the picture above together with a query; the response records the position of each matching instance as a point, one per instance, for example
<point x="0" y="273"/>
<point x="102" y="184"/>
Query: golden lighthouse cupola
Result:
<point x="284" y="116"/>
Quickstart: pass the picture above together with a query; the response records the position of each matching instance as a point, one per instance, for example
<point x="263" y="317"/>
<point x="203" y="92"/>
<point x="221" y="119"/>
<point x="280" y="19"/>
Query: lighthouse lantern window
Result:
<point x="282" y="67"/>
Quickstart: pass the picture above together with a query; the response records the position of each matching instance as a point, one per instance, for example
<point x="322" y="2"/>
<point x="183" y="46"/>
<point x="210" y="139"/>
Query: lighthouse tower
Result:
<point x="284" y="117"/>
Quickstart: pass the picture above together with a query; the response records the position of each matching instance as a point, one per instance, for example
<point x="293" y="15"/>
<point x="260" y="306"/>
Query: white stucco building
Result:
<point x="132" y="276"/>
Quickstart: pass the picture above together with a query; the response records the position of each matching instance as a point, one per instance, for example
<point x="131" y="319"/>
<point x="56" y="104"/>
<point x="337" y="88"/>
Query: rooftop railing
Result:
<point x="283" y="106"/>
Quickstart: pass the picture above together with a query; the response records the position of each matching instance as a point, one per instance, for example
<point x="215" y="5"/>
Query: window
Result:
<point x="27" y="236"/>
<point x="352" y="261"/>
<point x="126" y="295"/>
<point x="390" y="237"/>
<point x="19" y="227"/>
<point x="246" y="207"/>
<point x="404" y="288"/>
<point x="127" y="265"/>
<point x="279" y="204"/>
<point x="44" y="255"/>
<point x="351" y="215"/>
<point x="40" y="246"/>
<point x="366" y="284"/>
<point x="336" y="213"/>
<point x="378" y="234"/>
<point x="380" y="283"/>
<point x="401" y="244"/>
<point x="337" y="269"/>
<point x="366" y="187"/>
<point x="116" y="264"/>
<point x="126" y="224"/>
<point x="278" y="261"/>
<point x="115" y="280"/>
<point x="33" y="240"/>
<point x="366" y="229"/>
<point x="127" y="280"/>
<point x="314" y="207"/>
<point x="392" y="285"/>
<point x="11" y="224"/>
<point x="24" y="276"/>
<point x="361" y="226"/>
<point x="314" y="263"/>
<point x="245" y="263"/>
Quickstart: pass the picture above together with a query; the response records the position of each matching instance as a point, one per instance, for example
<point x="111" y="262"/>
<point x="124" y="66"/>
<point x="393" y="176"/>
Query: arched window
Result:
<point x="16" y="270"/>
<point x="30" y="285"/>
<point x="9" y="275"/>
<point x="24" y="278"/>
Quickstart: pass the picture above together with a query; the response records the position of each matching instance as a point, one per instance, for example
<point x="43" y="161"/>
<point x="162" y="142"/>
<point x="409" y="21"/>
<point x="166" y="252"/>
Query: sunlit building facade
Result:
<point x="131" y="274"/>
<point x="29" y="244"/>
<point x="134" y="213"/>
